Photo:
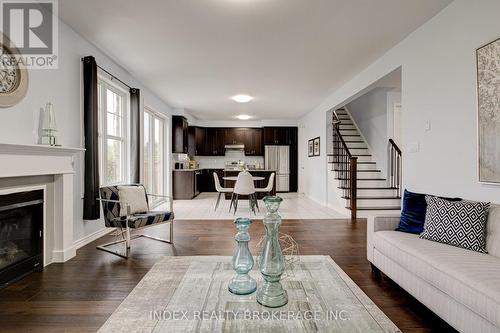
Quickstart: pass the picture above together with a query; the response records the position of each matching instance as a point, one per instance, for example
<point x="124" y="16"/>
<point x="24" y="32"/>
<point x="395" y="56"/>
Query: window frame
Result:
<point x="163" y="145"/>
<point x="104" y="83"/>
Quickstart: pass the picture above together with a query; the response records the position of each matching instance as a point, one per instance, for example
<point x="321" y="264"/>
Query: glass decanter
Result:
<point x="242" y="283"/>
<point x="271" y="261"/>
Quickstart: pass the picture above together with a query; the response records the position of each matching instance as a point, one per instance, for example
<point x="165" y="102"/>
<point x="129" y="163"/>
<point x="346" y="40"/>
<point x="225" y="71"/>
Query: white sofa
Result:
<point x="460" y="286"/>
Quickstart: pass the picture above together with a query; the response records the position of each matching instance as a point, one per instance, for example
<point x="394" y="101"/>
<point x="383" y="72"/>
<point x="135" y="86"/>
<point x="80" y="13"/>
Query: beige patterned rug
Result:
<point x="189" y="294"/>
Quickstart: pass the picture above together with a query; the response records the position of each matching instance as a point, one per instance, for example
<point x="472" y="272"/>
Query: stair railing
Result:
<point x="345" y="165"/>
<point x="395" y="167"/>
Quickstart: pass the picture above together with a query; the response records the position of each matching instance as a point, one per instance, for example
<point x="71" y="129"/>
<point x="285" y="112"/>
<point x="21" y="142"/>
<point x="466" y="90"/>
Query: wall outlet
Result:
<point x="414" y="147"/>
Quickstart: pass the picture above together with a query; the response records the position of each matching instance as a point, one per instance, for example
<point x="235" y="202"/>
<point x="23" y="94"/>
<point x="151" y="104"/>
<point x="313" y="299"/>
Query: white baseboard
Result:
<point x="92" y="237"/>
<point x="63" y="255"/>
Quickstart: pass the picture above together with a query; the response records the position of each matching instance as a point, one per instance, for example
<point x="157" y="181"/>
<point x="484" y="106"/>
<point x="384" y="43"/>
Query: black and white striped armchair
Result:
<point x="118" y="214"/>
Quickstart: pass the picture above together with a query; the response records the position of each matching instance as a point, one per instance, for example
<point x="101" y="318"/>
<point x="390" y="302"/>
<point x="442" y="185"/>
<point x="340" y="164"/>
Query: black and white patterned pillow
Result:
<point x="457" y="223"/>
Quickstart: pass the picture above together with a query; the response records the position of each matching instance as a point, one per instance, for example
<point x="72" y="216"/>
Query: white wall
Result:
<point x="62" y="87"/>
<point x="369" y="112"/>
<point x="438" y="84"/>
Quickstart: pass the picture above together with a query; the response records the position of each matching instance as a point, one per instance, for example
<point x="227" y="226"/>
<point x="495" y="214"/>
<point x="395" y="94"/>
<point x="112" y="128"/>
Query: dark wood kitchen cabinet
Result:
<point x="280" y="135"/>
<point x="207" y="183"/>
<point x="214" y="141"/>
<point x="253" y="142"/>
<point x="235" y="136"/>
<point x="196" y="139"/>
<point x="185" y="184"/>
<point x="251" y="138"/>
<point x="180" y="135"/>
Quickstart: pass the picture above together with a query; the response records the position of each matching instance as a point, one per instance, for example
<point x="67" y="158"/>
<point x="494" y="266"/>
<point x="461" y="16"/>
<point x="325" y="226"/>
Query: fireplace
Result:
<point x="21" y="235"/>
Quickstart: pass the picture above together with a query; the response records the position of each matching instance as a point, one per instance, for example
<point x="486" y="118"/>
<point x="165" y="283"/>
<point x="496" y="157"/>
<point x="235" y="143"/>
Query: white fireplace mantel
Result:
<point x="38" y="160"/>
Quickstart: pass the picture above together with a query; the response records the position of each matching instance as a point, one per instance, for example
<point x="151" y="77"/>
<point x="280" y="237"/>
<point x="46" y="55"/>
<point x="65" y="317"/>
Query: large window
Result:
<point x="113" y="134"/>
<point x="154" y="158"/>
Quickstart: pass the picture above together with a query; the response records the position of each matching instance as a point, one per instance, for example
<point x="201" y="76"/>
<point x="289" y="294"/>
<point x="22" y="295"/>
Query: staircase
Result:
<point x="360" y="184"/>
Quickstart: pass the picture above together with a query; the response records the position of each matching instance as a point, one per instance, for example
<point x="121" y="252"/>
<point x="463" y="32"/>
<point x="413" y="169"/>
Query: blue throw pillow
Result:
<point x="413" y="213"/>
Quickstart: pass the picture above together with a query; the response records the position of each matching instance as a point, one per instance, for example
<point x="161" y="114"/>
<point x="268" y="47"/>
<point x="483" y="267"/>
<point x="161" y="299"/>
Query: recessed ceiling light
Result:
<point x="243" y="117"/>
<point x="242" y="98"/>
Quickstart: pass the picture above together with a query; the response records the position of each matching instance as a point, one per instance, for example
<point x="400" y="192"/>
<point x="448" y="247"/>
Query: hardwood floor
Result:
<point x="79" y="295"/>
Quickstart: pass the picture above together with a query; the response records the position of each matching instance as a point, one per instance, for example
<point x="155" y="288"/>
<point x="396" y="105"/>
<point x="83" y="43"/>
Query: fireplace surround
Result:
<point x="21" y="234"/>
<point x="52" y="169"/>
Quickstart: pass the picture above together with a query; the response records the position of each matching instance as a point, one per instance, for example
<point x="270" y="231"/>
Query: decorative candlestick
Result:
<point x="242" y="283"/>
<point x="271" y="261"/>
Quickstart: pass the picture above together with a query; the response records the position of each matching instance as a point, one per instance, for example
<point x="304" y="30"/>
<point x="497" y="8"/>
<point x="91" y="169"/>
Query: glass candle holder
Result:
<point x="242" y="283"/>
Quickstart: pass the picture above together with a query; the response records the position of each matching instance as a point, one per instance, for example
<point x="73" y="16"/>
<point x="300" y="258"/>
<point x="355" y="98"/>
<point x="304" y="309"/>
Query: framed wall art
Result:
<point x="488" y="98"/>
<point x="316" y="146"/>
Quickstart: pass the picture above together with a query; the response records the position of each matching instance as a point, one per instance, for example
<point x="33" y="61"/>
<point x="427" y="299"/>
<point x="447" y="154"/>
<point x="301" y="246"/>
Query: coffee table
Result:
<point x="189" y="294"/>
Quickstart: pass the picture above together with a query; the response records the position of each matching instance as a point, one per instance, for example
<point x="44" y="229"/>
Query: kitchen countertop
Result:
<point x="188" y="169"/>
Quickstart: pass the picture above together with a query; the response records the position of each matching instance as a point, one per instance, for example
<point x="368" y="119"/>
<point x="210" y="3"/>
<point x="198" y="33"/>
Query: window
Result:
<point x="154" y="157"/>
<point x="113" y="131"/>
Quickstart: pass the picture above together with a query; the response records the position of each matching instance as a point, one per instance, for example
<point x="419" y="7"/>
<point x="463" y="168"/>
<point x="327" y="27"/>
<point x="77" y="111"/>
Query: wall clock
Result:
<point x="13" y="75"/>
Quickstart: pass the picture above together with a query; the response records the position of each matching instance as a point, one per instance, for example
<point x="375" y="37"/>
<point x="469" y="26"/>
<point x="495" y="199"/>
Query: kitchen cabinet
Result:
<point x="196" y="141"/>
<point x="207" y="183"/>
<point x="185" y="184"/>
<point x="278" y="135"/>
<point x="253" y="142"/>
<point x="180" y="135"/>
<point x="214" y="141"/>
<point x="233" y="136"/>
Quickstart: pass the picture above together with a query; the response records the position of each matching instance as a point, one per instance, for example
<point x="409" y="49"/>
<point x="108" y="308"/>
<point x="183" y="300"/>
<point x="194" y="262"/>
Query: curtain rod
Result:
<point x="113" y="77"/>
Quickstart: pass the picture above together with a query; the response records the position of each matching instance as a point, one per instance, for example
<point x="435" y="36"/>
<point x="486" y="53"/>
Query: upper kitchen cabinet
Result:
<point x="234" y="136"/>
<point x="280" y="135"/>
<point x="253" y="142"/>
<point x="214" y="141"/>
<point x="196" y="146"/>
<point x="180" y="135"/>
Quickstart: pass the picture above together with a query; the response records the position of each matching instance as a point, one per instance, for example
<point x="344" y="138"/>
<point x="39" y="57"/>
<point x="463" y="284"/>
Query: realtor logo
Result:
<point x="31" y="27"/>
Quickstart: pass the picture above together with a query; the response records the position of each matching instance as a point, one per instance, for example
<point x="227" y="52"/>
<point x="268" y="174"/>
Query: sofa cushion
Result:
<point x="413" y="212"/>
<point x="461" y="224"/>
<point x="493" y="235"/>
<point x="470" y="278"/>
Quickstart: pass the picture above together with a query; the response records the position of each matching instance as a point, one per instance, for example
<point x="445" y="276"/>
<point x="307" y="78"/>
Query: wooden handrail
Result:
<point x="345" y="164"/>
<point x="395" y="167"/>
<point x="391" y="141"/>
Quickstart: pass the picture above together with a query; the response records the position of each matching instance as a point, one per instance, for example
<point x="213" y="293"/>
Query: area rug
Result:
<point x="189" y="294"/>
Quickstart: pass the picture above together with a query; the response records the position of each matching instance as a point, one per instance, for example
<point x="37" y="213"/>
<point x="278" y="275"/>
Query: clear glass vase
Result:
<point x="271" y="261"/>
<point x="242" y="283"/>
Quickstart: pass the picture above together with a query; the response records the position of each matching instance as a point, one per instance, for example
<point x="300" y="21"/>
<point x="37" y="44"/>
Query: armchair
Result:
<point x="116" y="217"/>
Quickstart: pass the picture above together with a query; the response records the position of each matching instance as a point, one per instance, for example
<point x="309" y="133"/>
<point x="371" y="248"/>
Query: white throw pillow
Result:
<point x="135" y="196"/>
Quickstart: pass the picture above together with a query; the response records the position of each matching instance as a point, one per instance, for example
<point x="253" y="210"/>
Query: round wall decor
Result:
<point x="13" y="75"/>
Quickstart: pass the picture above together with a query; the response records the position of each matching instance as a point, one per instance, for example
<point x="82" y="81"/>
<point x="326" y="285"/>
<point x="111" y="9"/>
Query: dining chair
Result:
<point x="221" y="190"/>
<point x="269" y="188"/>
<point x="244" y="186"/>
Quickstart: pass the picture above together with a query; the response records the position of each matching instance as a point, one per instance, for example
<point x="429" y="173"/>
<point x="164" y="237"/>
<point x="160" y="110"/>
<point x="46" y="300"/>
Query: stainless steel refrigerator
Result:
<point x="278" y="158"/>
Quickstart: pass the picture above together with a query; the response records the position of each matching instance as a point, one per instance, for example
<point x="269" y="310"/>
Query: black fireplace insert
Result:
<point x="21" y="235"/>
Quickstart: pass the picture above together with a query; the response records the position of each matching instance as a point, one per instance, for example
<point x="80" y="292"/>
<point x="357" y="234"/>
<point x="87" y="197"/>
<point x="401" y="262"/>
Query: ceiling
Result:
<point x="288" y="54"/>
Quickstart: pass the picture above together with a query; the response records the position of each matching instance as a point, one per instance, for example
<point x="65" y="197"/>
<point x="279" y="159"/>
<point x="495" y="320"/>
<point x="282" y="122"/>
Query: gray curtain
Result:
<point x="135" y="134"/>
<point x="91" y="210"/>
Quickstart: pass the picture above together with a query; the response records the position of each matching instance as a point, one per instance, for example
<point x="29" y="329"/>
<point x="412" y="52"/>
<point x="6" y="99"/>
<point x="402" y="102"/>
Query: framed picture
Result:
<point x="310" y="146"/>
<point x="316" y="150"/>
<point x="488" y="111"/>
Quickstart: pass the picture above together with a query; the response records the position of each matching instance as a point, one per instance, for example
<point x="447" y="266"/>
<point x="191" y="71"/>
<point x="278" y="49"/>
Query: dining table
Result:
<point x="235" y="178"/>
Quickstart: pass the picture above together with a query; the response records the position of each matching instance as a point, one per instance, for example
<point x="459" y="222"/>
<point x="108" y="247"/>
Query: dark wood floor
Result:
<point x="79" y="295"/>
